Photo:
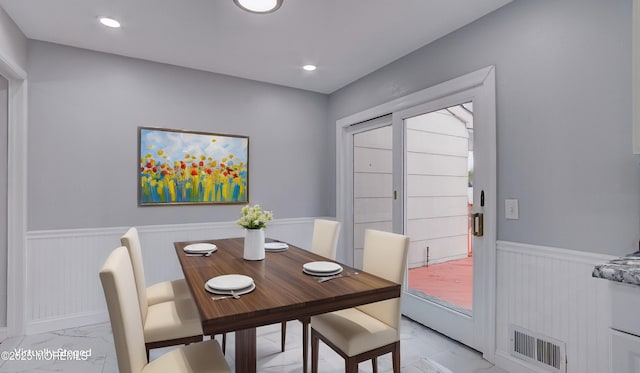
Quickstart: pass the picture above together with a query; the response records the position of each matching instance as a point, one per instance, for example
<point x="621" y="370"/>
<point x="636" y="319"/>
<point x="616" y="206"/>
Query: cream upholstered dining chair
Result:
<point x="159" y="292"/>
<point x="325" y="236"/>
<point x="156" y="293"/>
<point x="324" y="242"/>
<point x="368" y="331"/>
<point x="122" y="302"/>
<point x="173" y="319"/>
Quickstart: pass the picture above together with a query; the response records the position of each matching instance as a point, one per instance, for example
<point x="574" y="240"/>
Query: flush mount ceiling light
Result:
<point x="109" y="22"/>
<point x="309" y="67"/>
<point x="259" y="6"/>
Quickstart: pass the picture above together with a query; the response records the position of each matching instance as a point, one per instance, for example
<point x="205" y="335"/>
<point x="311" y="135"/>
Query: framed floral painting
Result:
<point x="190" y="167"/>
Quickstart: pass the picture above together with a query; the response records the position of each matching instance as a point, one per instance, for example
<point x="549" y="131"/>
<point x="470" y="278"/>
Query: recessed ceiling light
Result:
<point x="259" y="6"/>
<point x="109" y="22"/>
<point x="309" y="67"/>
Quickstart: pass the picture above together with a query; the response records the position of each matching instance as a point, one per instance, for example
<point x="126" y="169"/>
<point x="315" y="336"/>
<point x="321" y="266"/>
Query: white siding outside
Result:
<point x="437" y="188"/>
<point x="372" y="183"/>
<point x="437" y="191"/>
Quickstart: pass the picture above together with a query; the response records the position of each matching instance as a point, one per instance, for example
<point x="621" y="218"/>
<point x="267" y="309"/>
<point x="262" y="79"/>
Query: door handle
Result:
<point x="477" y="224"/>
<point x="477" y="219"/>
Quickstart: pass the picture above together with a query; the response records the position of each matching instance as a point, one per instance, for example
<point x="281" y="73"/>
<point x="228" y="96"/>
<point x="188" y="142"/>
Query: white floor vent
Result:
<point x="541" y="350"/>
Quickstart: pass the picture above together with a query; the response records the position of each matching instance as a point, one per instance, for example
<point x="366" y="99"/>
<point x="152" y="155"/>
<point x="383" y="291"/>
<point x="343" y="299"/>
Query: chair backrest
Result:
<point x="325" y="238"/>
<point x="122" y="301"/>
<point x="385" y="255"/>
<point x="131" y="241"/>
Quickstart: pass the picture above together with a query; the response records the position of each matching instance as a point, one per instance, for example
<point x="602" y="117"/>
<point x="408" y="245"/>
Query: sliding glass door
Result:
<point x="426" y="167"/>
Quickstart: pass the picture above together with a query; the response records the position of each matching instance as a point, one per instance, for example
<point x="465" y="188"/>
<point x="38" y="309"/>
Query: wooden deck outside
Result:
<point x="450" y="281"/>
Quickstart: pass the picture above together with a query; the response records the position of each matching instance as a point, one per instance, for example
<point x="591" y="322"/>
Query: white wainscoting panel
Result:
<point x="550" y="291"/>
<point x="63" y="288"/>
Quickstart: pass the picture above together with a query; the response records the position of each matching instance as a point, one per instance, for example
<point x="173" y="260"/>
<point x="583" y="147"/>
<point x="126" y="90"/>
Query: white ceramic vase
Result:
<point x="254" y="244"/>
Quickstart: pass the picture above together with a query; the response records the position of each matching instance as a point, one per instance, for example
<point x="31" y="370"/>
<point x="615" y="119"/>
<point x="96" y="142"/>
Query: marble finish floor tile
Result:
<point x="422" y="351"/>
<point x="54" y="351"/>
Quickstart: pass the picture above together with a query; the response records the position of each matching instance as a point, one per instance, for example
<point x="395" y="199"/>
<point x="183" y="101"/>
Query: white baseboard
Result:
<point x="513" y="365"/>
<point x="4" y="333"/>
<point x="66" y="322"/>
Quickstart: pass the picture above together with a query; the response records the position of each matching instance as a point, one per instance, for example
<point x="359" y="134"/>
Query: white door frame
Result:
<point x="484" y="80"/>
<point x="17" y="196"/>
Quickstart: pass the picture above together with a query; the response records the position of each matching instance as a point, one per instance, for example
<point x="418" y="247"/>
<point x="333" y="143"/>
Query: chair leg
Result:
<point x="374" y="364"/>
<point x="224" y="343"/>
<point x="315" y="344"/>
<point x="350" y="365"/>
<point x="395" y="356"/>
<point x="147" y="348"/>
<point x="283" y="335"/>
<point x="305" y="343"/>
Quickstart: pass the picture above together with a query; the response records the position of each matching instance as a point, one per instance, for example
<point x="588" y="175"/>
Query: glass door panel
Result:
<point x="439" y="198"/>
<point x="372" y="185"/>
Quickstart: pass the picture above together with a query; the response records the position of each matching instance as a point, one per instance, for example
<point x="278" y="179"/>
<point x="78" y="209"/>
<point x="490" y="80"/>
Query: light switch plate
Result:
<point x="511" y="209"/>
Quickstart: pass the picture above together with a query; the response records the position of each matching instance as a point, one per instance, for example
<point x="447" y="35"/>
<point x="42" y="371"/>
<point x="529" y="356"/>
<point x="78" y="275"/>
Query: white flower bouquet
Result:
<point x="254" y="217"/>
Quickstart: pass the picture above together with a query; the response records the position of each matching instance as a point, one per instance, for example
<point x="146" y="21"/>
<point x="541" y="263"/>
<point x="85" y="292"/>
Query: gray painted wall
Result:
<point x="13" y="43"/>
<point x="563" y="71"/>
<point x="564" y="126"/>
<point x="84" y="111"/>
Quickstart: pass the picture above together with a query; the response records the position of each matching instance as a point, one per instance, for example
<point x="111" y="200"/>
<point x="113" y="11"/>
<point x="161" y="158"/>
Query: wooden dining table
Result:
<point x="283" y="292"/>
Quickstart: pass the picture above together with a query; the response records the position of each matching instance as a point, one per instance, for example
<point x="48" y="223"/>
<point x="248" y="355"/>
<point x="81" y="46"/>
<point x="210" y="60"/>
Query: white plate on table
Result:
<point x="321" y="268"/>
<point x="321" y="274"/>
<point x="275" y="246"/>
<point x="246" y="290"/>
<point x="200" y="248"/>
<point x="229" y="282"/>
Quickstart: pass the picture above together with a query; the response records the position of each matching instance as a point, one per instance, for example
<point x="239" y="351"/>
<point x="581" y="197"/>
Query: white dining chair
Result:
<point x="368" y="331"/>
<point x="127" y="326"/>
<point x="324" y="242"/>
<point x="167" y="291"/>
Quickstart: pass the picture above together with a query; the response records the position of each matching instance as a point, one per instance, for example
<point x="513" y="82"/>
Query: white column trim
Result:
<point x="16" y="195"/>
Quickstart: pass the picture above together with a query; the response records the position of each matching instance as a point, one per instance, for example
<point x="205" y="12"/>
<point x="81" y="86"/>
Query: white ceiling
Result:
<point x="346" y="39"/>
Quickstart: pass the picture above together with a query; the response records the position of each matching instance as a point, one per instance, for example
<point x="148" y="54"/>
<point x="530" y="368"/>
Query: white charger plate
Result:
<point x="246" y="290"/>
<point x="200" y="248"/>
<point x="229" y="282"/>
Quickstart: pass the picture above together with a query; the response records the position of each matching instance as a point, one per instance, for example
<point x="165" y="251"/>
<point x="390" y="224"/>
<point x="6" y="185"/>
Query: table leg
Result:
<point x="305" y="346"/>
<point x="246" y="350"/>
